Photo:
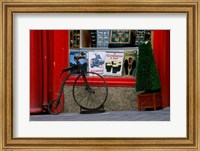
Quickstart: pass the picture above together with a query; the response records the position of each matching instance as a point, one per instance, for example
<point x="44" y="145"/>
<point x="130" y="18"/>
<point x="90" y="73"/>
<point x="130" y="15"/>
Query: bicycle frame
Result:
<point x="77" y="68"/>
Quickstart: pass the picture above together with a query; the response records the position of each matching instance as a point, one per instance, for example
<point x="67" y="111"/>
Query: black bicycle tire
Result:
<point x="105" y="85"/>
<point x="53" y="112"/>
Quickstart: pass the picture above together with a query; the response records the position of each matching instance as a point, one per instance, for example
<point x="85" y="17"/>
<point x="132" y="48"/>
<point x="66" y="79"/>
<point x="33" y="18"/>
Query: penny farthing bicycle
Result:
<point x="89" y="91"/>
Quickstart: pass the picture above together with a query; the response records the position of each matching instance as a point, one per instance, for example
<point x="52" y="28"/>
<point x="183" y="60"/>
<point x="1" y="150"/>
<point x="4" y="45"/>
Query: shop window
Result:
<point x="111" y="53"/>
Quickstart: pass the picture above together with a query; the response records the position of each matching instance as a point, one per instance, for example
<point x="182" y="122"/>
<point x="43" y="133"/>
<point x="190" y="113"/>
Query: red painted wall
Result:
<point x="48" y="56"/>
<point x="36" y="72"/>
<point x="162" y="57"/>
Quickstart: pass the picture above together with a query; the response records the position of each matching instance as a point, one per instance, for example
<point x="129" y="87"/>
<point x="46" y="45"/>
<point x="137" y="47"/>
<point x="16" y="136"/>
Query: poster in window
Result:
<point x="120" y="38"/>
<point x="97" y="61"/>
<point x="84" y="63"/>
<point x="113" y="63"/>
<point x="129" y="64"/>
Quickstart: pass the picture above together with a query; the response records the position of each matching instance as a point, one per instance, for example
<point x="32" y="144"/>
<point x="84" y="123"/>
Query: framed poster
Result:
<point x="120" y="38"/>
<point x="9" y="131"/>
<point x="113" y="63"/>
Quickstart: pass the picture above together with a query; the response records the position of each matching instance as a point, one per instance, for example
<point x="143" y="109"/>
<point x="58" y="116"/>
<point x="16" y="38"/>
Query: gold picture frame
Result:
<point x="10" y="7"/>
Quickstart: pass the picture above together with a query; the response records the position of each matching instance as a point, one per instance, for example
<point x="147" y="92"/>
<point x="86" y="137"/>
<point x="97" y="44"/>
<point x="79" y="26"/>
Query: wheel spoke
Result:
<point x="82" y="98"/>
<point x="92" y="98"/>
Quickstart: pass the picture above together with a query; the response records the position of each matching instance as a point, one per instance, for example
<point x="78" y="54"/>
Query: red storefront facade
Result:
<point x="49" y="53"/>
<point x="48" y="56"/>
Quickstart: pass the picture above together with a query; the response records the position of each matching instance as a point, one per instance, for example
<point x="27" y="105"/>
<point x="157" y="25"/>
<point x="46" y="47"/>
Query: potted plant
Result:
<point x="147" y="78"/>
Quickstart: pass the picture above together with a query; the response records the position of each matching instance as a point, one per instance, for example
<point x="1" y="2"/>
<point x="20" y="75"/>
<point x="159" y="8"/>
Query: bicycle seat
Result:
<point x="79" y="57"/>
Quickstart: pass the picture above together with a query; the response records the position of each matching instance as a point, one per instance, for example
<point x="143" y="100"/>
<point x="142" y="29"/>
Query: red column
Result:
<point x="45" y="68"/>
<point x="35" y="72"/>
<point x="50" y="60"/>
<point x="162" y="57"/>
<point x="60" y="59"/>
<point x="48" y="56"/>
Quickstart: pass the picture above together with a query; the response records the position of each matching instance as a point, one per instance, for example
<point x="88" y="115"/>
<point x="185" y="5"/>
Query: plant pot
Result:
<point x="149" y="100"/>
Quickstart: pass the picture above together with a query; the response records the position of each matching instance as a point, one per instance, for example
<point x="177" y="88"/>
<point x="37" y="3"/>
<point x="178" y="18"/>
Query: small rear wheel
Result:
<point x="92" y="93"/>
<point x="55" y="107"/>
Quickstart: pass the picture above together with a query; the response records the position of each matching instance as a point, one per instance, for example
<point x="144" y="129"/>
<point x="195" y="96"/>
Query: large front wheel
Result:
<point x="90" y="92"/>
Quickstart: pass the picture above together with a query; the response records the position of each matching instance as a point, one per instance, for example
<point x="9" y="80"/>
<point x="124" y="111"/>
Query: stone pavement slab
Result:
<point x="128" y="115"/>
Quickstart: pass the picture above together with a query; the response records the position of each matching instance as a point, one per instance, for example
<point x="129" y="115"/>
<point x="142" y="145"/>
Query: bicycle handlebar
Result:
<point x="67" y="69"/>
<point x="70" y="68"/>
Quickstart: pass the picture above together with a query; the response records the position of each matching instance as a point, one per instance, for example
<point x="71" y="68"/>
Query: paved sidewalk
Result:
<point x="159" y="115"/>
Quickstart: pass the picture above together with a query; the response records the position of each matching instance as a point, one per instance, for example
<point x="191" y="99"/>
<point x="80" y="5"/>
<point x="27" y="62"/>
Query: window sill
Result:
<point x="112" y="81"/>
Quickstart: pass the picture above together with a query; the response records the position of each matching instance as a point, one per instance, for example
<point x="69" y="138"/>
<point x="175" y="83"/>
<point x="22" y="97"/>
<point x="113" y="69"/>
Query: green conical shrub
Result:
<point x="147" y="78"/>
